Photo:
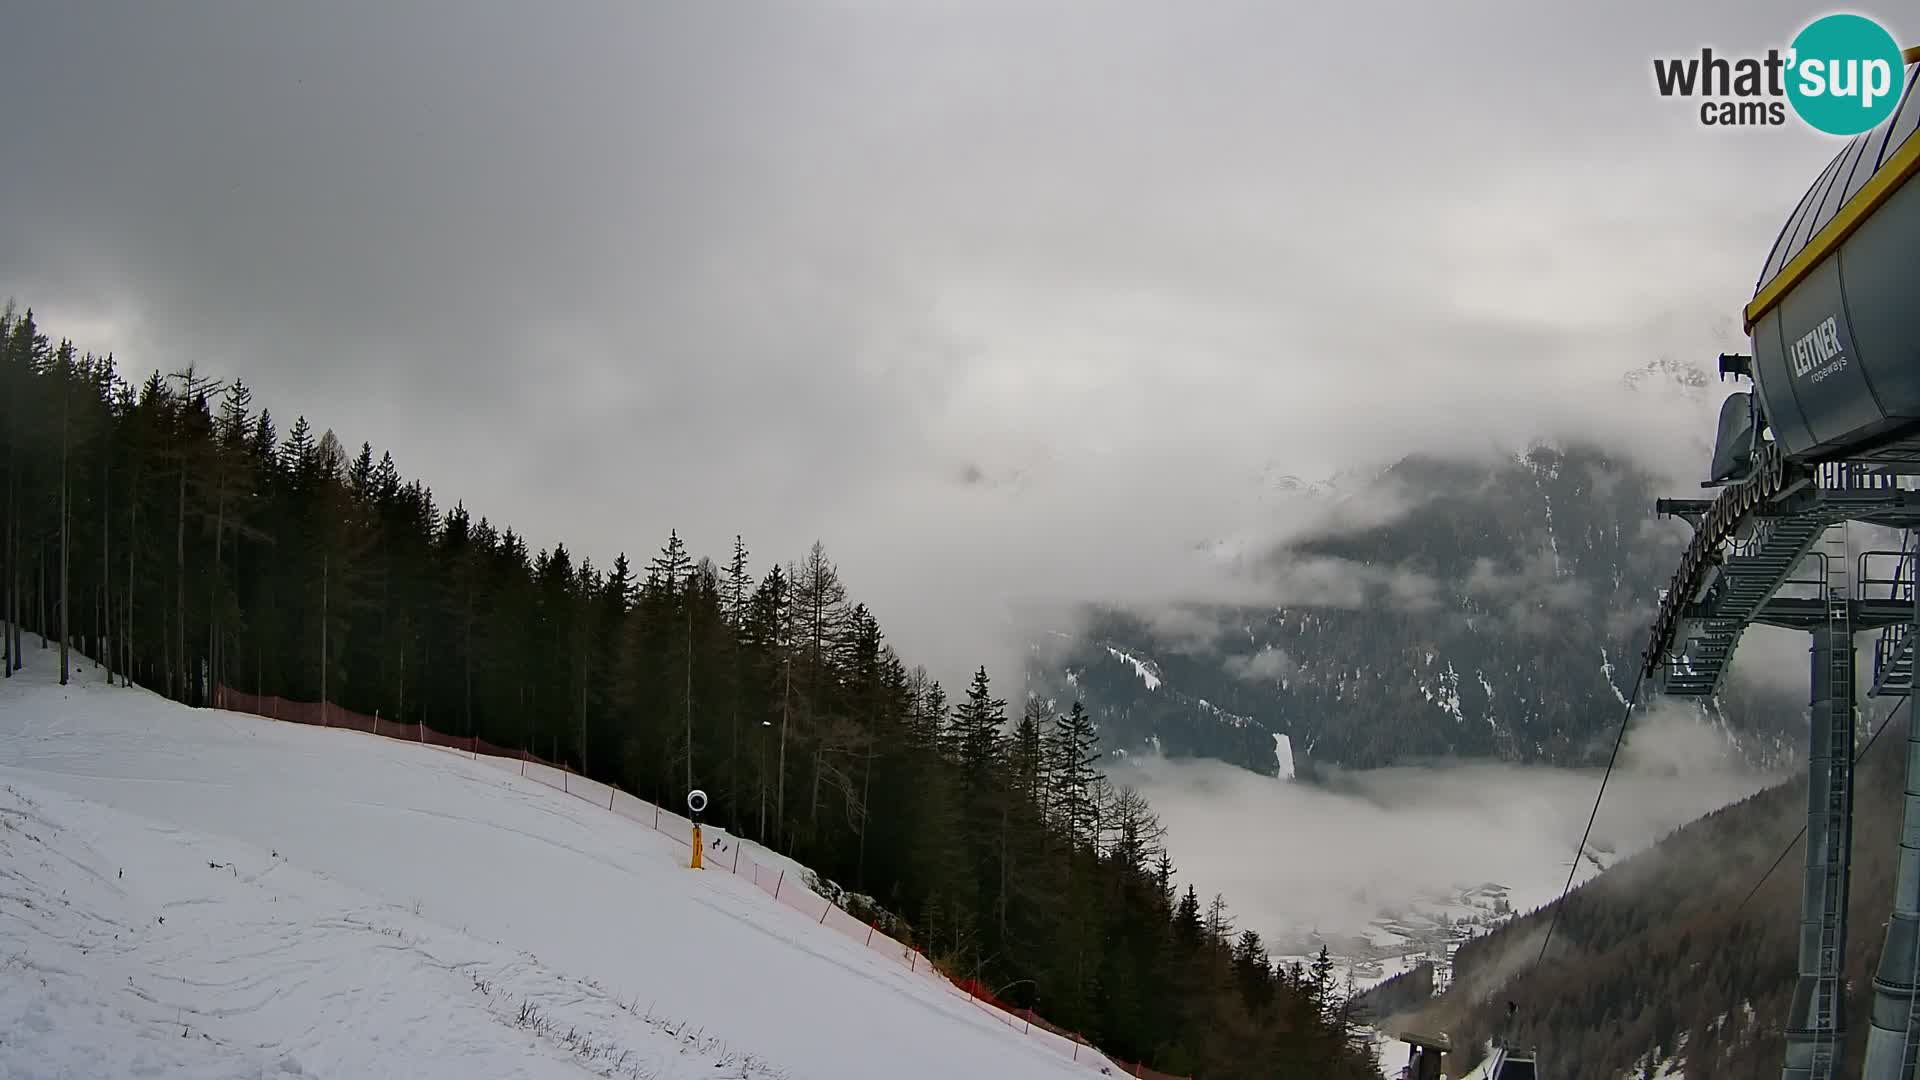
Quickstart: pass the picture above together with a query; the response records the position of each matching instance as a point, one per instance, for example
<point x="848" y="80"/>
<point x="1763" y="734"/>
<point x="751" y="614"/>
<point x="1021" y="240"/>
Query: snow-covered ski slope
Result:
<point x="203" y="894"/>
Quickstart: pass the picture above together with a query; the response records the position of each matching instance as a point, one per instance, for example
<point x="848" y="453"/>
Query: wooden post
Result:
<point x="696" y="845"/>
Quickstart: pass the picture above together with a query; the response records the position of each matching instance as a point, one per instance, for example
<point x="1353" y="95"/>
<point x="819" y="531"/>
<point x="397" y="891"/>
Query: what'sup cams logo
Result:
<point x="1842" y="75"/>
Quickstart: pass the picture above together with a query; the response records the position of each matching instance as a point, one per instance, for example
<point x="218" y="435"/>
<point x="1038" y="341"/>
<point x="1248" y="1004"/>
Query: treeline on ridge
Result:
<point x="173" y="533"/>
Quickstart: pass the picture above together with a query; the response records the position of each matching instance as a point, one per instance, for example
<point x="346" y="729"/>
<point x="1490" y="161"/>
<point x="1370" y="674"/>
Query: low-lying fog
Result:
<point x="1294" y="857"/>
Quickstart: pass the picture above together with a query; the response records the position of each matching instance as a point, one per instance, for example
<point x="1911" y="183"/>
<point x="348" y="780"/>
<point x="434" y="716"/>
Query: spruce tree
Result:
<point x="1320" y="979"/>
<point x="1074" y="750"/>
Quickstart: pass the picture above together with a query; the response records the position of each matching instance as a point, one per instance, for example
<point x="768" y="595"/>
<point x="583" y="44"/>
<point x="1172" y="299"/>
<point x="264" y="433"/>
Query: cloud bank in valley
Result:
<point x="1294" y="857"/>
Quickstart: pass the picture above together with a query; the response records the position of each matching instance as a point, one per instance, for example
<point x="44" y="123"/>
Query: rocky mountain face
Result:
<point x="1499" y="615"/>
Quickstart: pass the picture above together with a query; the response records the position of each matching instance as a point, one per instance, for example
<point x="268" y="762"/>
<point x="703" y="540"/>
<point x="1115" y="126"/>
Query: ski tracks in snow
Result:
<point x="129" y="949"/>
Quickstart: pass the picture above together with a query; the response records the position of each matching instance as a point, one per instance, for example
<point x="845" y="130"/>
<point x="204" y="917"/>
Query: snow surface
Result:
<point x="1140" y="667"/>
<point x="1392" y="1054"/>
<point x="205" y="894"/>
<point x="1655" y="1065"/>
<point x="1283" y="755"/>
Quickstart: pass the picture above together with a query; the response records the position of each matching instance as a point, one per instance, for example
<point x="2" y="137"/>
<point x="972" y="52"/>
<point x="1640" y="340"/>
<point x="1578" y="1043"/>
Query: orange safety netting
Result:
<point x="726" y="854"/>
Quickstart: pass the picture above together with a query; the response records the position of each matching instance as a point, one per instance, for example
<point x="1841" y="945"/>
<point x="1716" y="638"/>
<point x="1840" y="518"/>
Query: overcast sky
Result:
<point x="998" y="300"/>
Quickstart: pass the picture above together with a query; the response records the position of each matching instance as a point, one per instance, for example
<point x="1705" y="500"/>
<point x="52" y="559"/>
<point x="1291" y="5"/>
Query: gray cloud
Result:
<point x="1777" y="659"/>
<point x="1533" y="597"/>
<point x="1325" y="581"/>
<point x="799" y="271"/>
<point x="1186" y="629"/>
<point x="1269" y="665"/>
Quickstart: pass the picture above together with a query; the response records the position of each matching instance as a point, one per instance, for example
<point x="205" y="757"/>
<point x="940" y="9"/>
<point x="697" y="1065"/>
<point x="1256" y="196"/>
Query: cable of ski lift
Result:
<point x="1619" y="737"/>
<point x="1798" y="836"/>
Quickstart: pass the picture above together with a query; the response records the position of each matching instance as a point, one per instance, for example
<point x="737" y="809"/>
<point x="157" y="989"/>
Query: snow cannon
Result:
<point x="1834" y="323"/>
<point x="696" y="804"/>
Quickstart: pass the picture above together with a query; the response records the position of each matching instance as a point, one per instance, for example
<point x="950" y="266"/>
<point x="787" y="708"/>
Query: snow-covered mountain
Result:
<point x="1665" y="374"/>
<point x="1500" y="615"/>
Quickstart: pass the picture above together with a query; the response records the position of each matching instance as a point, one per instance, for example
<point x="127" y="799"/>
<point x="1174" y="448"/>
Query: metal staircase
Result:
<point x="1754" y="569"/>
<point x="1893" y="651"/>
<point x="1744" y="579"/>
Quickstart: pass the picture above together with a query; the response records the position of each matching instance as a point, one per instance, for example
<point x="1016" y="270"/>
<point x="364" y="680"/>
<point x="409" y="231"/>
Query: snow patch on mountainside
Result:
<point x="1231" y="719"/>
<point x="1606" y="669"/>
<point x="1446" y="694"/>
<point x="1145" y="670"/>
<point x="1666" y="374"/>
<point x="1655" y="1065"/>
<point x="1283" y="756"/>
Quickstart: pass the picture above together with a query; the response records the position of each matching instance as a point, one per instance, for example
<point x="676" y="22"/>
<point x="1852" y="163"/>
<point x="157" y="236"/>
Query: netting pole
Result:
<point x="656" y="819"/>
<point x="779" y="882"/>
<point x="736" y="855"/>
<point x="823" y="913"/>
<point x="869" y="935"/>
<point x="609" y="798"/>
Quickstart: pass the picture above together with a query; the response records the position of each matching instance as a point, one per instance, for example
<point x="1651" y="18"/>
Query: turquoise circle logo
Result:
<point x="1846" y="74"/>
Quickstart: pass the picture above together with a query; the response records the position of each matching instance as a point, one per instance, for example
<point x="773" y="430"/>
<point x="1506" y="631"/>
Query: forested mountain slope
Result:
<point x="173" y="528"/>
<point x="1659" y="958"/>
<point x="1498" y="616"/>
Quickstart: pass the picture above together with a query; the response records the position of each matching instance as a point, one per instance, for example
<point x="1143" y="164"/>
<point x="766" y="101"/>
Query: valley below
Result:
<point x="1387" y="868"/>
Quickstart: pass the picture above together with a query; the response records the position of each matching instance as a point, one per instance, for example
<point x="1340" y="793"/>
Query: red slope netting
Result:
<point x="720" y="851"/>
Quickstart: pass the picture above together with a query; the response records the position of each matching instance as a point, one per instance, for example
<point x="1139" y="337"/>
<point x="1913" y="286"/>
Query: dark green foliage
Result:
<point x="1403" y="993"/>
<point x="206" y="549"/>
